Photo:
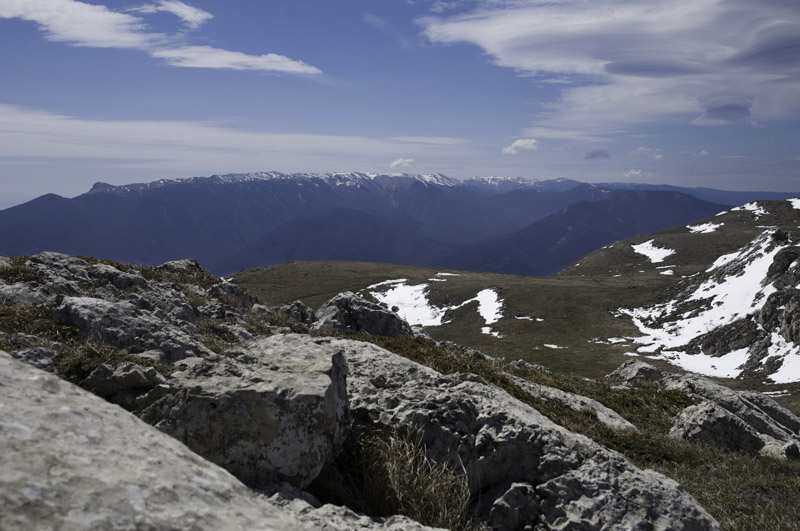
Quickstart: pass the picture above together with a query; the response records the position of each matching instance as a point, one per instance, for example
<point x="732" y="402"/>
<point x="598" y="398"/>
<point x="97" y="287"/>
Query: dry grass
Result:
<point x="384" y="473"/>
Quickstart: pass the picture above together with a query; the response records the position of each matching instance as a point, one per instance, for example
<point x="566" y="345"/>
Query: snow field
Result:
<point x="654" y="254"/>
<point x="414" y="306"/>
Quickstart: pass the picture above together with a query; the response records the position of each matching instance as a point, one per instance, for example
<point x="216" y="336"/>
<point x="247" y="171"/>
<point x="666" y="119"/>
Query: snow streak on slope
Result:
<point x="704" y="228"/>
<point x="655" y="254"/>
<point x="795" y="203"/>
<point x="753" y="207"/>
<point x="731" y="290"/>
<point x="413" y="304"/>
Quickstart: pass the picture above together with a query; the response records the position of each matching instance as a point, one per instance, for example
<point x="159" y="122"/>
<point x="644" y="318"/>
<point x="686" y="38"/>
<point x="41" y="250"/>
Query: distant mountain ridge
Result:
<point x="235" y="221"/>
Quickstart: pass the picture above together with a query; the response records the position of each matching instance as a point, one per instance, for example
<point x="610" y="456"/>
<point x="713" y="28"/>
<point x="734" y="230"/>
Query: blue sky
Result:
<point x="685" y="92"/>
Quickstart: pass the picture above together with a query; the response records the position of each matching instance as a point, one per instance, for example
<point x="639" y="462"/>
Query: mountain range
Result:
<point x="238" y="221"/>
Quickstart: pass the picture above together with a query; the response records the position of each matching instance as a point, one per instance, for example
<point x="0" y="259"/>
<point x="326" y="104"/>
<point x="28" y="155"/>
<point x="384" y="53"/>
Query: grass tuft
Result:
<point x="381" y="473"/>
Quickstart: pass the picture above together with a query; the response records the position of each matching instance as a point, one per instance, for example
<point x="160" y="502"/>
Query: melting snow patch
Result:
<point x="412" y="301"/>
<point x="556" y="347"/>
<point x="727" y="366"/>
<point x="731" y="291"/>
<point x="447" y="275"/>
<point x="415" y="308"/>
<point x="523" y="317"/>
<point x="655" y="254"/>
<point x="753" y="207"/>
<point x="782" y="392"/>
<point x="668" y="272"/>
<point x="789" y="370"/>
<point x="705" y="228"/>
<point x="795" y="203"/>
<point x="488" y="330"/>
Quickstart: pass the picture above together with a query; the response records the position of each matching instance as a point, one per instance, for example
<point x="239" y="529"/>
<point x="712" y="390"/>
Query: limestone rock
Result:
<point x="72" y="461"/>
<point x="39" y="357"/>
<point x="776" y="427"/>
<point x="299" y="312"/>
<point x="497" y="439"/>
<point x="712" y="425"/>
<point x="348" y="311"/>
<point x="122" y="324"/>
<point x="274" y="409"/>
<point x="577" y="403"/>
<point x="635" y="372"/>
<point x="122" y="384"/>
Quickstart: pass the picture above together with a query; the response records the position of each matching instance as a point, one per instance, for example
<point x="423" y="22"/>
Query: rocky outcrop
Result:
<point x="577" y="403"/>
<point x="710" y="424"/>
<point x="635" y="372"/>
<point x="348" y="311"/>
<point x="123" y="325"/>
<point x="508" y="449"/>
<point x="272" y="410"/>
<point x="741" y="421"/>
<point x="777" y="428"/>
<point x="70" y="460"/>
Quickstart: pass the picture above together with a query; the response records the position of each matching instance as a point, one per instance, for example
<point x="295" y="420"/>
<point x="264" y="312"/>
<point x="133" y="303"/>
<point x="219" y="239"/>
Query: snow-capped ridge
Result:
<point x="330" y="178"/>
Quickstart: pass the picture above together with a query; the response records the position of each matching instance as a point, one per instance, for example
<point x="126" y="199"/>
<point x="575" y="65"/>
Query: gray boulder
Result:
<point x="577" y="403"/>
<point x="777" y="428"/>
<point x="635" y="372"/>
<point x="122" y="325"/>
<point x="40" y="357"/>
<point x="712" y="425"/>
<point x="122" y="384"/>
<point x="299" y="312"/>
<point x="499" y="440"/>
<point x="72" y="461"/>
<point x="272" y="410"/>
<point x="348" y="311"/>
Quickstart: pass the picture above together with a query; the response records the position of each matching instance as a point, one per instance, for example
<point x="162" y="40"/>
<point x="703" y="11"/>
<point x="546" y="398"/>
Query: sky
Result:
<point x="682" y="92"/>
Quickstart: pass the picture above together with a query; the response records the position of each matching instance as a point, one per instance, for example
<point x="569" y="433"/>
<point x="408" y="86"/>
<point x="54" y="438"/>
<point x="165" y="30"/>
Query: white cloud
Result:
<point x="633" y="63"/>
<point x="638" y="174"/>
<point x="35" y="137"/>
<point x="208" y="57"/>
<point x="82" y="24"/>
<point x="374" y="21"/>
<point x="704" y="153"/>
<point x="650" y="153"/>
<point x="191" y="16"/>
<point x="401" y="163"/>
<point x="523" y="144"/>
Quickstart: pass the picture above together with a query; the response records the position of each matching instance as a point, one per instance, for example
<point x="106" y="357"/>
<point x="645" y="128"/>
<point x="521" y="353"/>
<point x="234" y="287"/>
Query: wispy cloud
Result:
<point x="208" y="57"/>
<point x="81" y="24"/>
<point x="632" y="173"/>
<point x="193" y="17"/>
<point x="374" y="21"/>
<point x="401" y="163"/>
<point x="38" y="137"/>
<point x="704" y="62"/>
<point x="597" y="153"/>
<point x="646" y="152"/>
<point x="523" y="144"/>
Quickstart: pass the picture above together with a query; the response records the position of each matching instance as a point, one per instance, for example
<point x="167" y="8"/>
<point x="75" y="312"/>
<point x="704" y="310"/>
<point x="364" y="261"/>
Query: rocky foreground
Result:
<point x="197" y="407"/>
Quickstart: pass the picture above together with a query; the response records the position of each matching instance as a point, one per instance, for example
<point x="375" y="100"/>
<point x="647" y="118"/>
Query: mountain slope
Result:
<point x="552" y="243"/>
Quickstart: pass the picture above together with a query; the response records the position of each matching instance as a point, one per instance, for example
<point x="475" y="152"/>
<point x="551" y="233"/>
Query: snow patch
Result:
<point x="414" y="306"/>
<point x="705" y="228"/>
<point x="795" y="202"/>
<point x="753" y="207"/>
<point x="789" y="370"/>
<point x="654" y="254"/>
<point x="731" y="291"/>
<point x="555" y="347"/>
<point x="668" y="272"/>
